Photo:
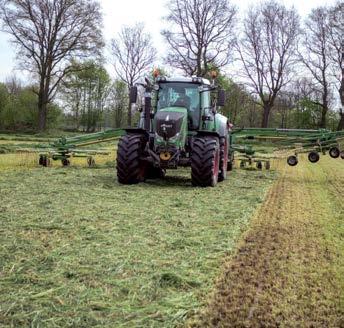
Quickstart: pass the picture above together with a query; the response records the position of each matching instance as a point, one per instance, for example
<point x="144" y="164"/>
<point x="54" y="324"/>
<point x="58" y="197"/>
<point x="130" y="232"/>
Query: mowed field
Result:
<point x="78" y="249"/>
<point x="261" y="249"/>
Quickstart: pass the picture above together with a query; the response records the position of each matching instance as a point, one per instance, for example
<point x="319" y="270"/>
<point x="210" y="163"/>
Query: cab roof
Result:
<point x="193" y="79"/>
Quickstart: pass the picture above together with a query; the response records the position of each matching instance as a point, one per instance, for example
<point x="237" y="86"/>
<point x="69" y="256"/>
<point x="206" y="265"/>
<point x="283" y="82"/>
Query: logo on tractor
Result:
<point x="166" y="126"/>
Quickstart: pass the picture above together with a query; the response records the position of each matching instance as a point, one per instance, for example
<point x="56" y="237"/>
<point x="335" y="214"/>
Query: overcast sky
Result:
<point x="118" y="13"/>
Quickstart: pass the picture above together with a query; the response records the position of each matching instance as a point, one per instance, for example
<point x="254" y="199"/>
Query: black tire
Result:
<point x="41" y="159"/>
<point x="45" y="161"/>
<point x="242" y="164"/>
<point x="259" y="165"/>
<point x="91" y="162"/>
<point x="205" y="160"/>
<point x="342" y="154"/>
<point x="334" y="152"/>
<point x="130" y="169"/>
<point x="65" y="162"/>
<point x="267" y="165"/>
<point x="313" y="157"/>
<point x="292" y="160"/>
<point x="223" y="159"/>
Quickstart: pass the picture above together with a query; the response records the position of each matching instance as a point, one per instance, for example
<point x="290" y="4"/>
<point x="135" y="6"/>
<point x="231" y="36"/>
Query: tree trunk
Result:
<point x="341" y="96"/>
<point x="341" y="121"/>
<point x="322" y="123"/>
<point x="129" y="114"/>
<point x="266" y="115"/>
<point x="42" y="112"/>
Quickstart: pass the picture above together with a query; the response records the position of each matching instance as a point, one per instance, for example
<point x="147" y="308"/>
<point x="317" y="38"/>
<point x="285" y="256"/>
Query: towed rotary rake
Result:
<point x="64" y="149"/>
<point x="293" y="142"/>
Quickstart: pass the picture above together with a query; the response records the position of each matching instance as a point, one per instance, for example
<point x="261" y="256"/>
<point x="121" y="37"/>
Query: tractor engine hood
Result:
<point x="169" y="123"/>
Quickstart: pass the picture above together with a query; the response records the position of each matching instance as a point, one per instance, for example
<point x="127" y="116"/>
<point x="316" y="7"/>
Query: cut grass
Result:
<point x="288" y="270"/>
<point x="77" y="249"/>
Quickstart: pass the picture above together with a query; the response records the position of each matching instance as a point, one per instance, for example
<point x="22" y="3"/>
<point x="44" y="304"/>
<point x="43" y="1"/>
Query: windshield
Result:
<point x="181" y="95"/>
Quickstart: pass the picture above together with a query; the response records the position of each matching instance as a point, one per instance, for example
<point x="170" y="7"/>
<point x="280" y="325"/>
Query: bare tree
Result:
<point x="315" y="56"/>
<point x="266" y="50"/>
<point x="48" y="33"/>
<point x="336" y="31"/>
<point x="133" y="55"/>
<point x="201" y="34"/>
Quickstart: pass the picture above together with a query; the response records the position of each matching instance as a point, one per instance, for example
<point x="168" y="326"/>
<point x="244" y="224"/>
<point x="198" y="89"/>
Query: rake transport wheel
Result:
<point x="130" y="168"/>
<point x="267" y="165"/>
<point x="313" y="157"/>
<point x="334" y="152"/>
<point x="342" y="154"/>
<point x="44" y="160"/>
<point x="259" y="165"/>
<point x="223" y="159"/>
<point x="205" y="161"/>
<point x="65" y="162"/>
<point x="230" y="165"/>
<point x="292" y="160"/>
<point x="91" y="162"/>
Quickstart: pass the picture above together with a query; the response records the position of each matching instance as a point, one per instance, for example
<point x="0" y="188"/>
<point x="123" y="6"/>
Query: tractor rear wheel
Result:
<point x="223" y="159"/>
<point x="130" y="168"/>
<point x="205" y="160"/>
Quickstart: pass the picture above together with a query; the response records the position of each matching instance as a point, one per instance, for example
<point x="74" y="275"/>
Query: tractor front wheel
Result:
<point x="205" y="161"/>
<point x="130" y="168"/>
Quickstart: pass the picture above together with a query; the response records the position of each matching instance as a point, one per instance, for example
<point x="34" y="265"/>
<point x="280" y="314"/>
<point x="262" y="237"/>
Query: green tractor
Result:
<point x="179" y="126"/>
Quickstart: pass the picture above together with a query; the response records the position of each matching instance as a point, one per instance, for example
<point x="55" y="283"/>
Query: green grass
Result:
<point x="77" y="249"/>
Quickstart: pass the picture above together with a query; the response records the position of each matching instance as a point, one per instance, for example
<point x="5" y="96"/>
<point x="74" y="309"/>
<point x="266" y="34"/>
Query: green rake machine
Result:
<point x="297" y="141"/>
<point x="64" y="149"/>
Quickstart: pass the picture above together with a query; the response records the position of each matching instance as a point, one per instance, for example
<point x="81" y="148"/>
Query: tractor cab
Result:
<point x="193" y="94"/>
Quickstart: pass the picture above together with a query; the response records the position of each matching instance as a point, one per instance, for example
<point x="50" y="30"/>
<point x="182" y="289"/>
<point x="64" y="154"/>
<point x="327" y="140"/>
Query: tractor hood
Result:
<point x="170" y="124"/>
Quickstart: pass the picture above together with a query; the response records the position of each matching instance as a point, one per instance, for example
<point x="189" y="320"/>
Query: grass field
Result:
<point x="77" y="249"/>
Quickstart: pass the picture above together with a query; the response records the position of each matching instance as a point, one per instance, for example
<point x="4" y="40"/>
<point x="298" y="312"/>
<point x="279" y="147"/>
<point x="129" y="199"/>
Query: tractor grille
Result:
<point x="168" y="124"/>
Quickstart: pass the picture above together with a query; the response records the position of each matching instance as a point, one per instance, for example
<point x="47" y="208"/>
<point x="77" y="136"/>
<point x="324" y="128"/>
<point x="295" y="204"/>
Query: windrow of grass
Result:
<point x="288" y="270"/>
<point x="78" y="249"/>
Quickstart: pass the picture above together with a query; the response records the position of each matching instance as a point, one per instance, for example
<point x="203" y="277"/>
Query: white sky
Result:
<point x="127" y="12"/>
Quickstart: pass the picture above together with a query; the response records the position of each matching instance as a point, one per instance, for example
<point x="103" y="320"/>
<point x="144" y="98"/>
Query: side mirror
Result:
<point x="221" y="97"/>
<point x="133" y="95"/>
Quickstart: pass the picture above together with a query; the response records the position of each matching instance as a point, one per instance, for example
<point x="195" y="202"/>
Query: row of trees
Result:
<point x="287" y="72"/>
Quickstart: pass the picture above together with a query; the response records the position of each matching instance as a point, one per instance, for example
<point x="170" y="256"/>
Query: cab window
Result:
<point x="181" y="95"/>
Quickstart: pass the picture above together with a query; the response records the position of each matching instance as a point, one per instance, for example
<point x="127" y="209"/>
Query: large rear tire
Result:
<point x="223" y="159"/>
<point x="130" y="168"/>
<point x="205" y="160"/>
